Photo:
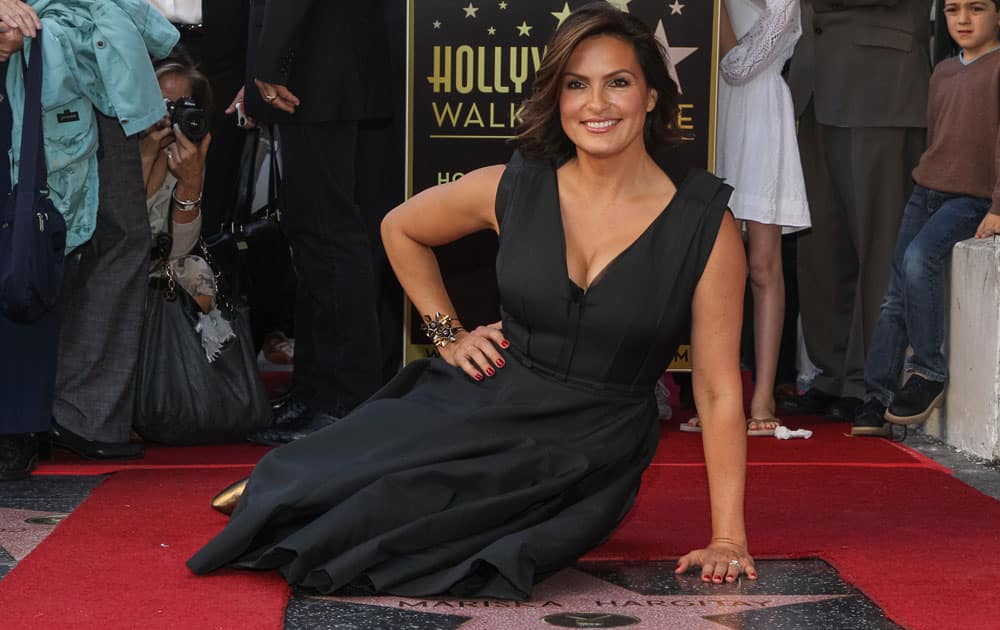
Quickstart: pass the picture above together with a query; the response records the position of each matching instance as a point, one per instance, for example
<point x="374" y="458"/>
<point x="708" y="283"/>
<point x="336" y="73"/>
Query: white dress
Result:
<point x="757" y="152"/>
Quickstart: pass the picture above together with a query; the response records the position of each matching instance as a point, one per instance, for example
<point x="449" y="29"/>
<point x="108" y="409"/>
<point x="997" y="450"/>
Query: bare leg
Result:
<point x="768" y="284"/>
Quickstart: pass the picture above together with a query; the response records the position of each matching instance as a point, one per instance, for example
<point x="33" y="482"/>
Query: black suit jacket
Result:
<point x="332" y="54"/>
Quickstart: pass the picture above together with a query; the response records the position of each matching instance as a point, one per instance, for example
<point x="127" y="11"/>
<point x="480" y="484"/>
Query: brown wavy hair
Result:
<point x="540" y="133"/>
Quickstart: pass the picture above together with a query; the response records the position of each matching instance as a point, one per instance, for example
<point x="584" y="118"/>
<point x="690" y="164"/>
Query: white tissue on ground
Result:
<point x="784" y="433"/>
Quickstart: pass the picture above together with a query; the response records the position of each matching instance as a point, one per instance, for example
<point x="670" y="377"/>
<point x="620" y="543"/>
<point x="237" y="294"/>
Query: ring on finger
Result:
<point x="735" y="563"/>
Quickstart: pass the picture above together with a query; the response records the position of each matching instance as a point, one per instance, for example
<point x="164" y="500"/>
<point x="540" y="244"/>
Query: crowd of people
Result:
<point x="521" y="445"/>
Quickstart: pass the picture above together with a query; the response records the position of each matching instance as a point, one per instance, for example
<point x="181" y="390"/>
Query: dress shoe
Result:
<point x="91" y="449"/>
<point x="18" y="455"/>
<point x="288" y="409"/>
<point x="284" y="433"/>
<point x="870" y="420"/>
<point x="813" y="402"/>
<point x="226" y="500"/>
<point x="915" y="400"/>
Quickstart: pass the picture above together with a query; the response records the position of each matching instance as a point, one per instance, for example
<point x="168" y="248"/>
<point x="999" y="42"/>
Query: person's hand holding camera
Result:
<point x="151" y="144"/>
<point x="186" y="161"/>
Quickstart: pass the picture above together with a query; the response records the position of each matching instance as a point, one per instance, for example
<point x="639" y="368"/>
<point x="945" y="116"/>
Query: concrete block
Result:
<point x="971" y="416"/>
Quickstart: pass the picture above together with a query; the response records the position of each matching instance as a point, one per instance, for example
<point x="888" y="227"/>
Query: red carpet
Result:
<point x="916" y="540"/>
<point x="910" y="538"/>
<point x="830" y="444"/>
<point x="118" y="562"/>
<point x="241" y="455"/>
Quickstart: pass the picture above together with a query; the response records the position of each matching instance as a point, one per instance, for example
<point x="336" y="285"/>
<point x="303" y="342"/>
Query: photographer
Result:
<point x="173" y="164"/>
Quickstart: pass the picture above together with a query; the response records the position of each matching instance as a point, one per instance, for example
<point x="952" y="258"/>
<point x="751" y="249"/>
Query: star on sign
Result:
<point x="491" y="31"/>
<point x="562" y="15"/>
<point x="503" y="6"/>
<point x="573" y="590"/>
<point x="524" y="30"/>
<point x="470" y="11"/>
<point x="676" y="8"/>
<point x="621" y="5"/>
<point x="675" y="54"/>
<point x="437" y="23"/>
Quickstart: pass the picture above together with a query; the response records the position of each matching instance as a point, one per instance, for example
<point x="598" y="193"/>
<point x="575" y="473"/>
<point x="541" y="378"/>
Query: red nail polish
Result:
<point x="505" y="343"/>
<point x="490" y="371"/>
<point x="478" y="376"/>
<point x="501" y="363"/>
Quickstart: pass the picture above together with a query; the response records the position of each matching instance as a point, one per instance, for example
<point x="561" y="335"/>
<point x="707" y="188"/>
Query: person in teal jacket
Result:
<point x="99" y="92"/>
<point x="96" y="54"/>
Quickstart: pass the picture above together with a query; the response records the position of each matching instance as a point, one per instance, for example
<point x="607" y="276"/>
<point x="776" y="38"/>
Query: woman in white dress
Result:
<point x="758" y="155"/>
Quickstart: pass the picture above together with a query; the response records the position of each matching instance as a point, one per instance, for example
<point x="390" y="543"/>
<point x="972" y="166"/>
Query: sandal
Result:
<point x="758" y="432"/>
<point x="694" y="426"/>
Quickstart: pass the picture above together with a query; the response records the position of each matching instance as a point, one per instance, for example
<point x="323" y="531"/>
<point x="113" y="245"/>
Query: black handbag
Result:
<point x="32" y="230"/>
<point x="251" y="250"/>
<point x="182" y="398"/>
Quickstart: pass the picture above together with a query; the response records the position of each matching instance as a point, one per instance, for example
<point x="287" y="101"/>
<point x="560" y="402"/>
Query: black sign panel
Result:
<point x="471" y="65"/>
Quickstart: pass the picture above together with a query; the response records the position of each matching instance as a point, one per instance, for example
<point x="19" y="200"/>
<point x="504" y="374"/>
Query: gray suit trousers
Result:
<point x="857" y="180"/>
<point x="104" y="299"/>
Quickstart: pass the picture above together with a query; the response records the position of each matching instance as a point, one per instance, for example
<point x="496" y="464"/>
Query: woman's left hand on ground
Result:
<point x="989" y="226"/>
<point x="717" y="562"/>
<point x="186" y="160"/>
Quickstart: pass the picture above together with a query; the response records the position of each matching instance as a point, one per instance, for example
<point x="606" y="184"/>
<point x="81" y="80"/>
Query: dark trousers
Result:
<point x="858" y="180"/>
<point x="103" y="300"/>
<point x="337" y="348"/>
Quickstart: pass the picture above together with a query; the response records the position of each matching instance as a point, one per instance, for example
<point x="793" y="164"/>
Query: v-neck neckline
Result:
<point x="604" y="270"/>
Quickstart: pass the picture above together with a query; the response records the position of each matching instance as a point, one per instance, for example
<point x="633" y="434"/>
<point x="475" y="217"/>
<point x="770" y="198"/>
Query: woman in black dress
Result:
<point x="522" y="447"/>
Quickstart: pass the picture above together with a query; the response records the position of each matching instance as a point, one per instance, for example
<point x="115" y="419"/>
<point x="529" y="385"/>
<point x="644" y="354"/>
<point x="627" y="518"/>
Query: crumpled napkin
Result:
<point x="784" y="433"/>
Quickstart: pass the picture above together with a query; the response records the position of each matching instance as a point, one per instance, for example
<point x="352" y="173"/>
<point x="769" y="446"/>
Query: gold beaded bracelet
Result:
<point x="439" y="329"/>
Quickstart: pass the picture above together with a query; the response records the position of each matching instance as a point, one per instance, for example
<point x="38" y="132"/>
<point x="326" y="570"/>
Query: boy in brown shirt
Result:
<point x="956" y="195"/>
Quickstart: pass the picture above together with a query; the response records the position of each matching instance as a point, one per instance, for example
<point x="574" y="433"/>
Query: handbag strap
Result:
<point x="32" y="169"/>
<point x="247" y="183"/>
<point x="274" y="179"/>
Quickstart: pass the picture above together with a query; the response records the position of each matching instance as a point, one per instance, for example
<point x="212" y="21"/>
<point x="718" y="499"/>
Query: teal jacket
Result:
<point x="96" y="55"/>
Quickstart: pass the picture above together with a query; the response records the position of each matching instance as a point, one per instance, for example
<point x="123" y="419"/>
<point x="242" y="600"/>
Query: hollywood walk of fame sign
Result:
<point x="807" y="594"/>
<point x="470" y="66"/>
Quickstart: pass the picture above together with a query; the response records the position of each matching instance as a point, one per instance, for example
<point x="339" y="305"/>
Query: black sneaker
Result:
<point x="812" y="402"/>
<point x="18" y="454"/>
<point x="915" y="400"/>
<point x="870" y="420"/>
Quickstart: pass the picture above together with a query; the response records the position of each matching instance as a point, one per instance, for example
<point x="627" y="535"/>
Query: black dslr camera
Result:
<point x="192" y="119"/>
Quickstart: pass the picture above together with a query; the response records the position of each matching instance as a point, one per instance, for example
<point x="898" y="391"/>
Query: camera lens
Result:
<point x="190" y="118"/>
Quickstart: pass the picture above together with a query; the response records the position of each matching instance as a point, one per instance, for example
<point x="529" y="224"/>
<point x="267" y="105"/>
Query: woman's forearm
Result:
<point x="417" y="270"/>
<point x="724" y="439"/>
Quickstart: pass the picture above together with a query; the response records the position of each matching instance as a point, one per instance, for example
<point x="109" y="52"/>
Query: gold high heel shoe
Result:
<point x="226" y="500"/>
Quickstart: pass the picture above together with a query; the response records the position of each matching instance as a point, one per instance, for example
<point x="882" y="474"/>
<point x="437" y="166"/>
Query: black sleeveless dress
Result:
<point x="440" y="484"/>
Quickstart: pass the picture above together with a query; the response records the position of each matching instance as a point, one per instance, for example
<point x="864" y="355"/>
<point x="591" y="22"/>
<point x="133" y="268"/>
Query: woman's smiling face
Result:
<point x="604" y="98"/>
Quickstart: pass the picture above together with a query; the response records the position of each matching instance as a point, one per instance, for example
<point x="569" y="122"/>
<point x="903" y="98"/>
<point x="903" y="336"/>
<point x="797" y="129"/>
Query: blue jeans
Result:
<point x="913" y="311"/>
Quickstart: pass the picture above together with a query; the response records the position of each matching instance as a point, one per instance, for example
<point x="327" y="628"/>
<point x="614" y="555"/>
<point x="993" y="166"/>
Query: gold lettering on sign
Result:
<point x="465" y="115"/>
<point x="481" y="69"/>
<point x="684" y="121"/>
